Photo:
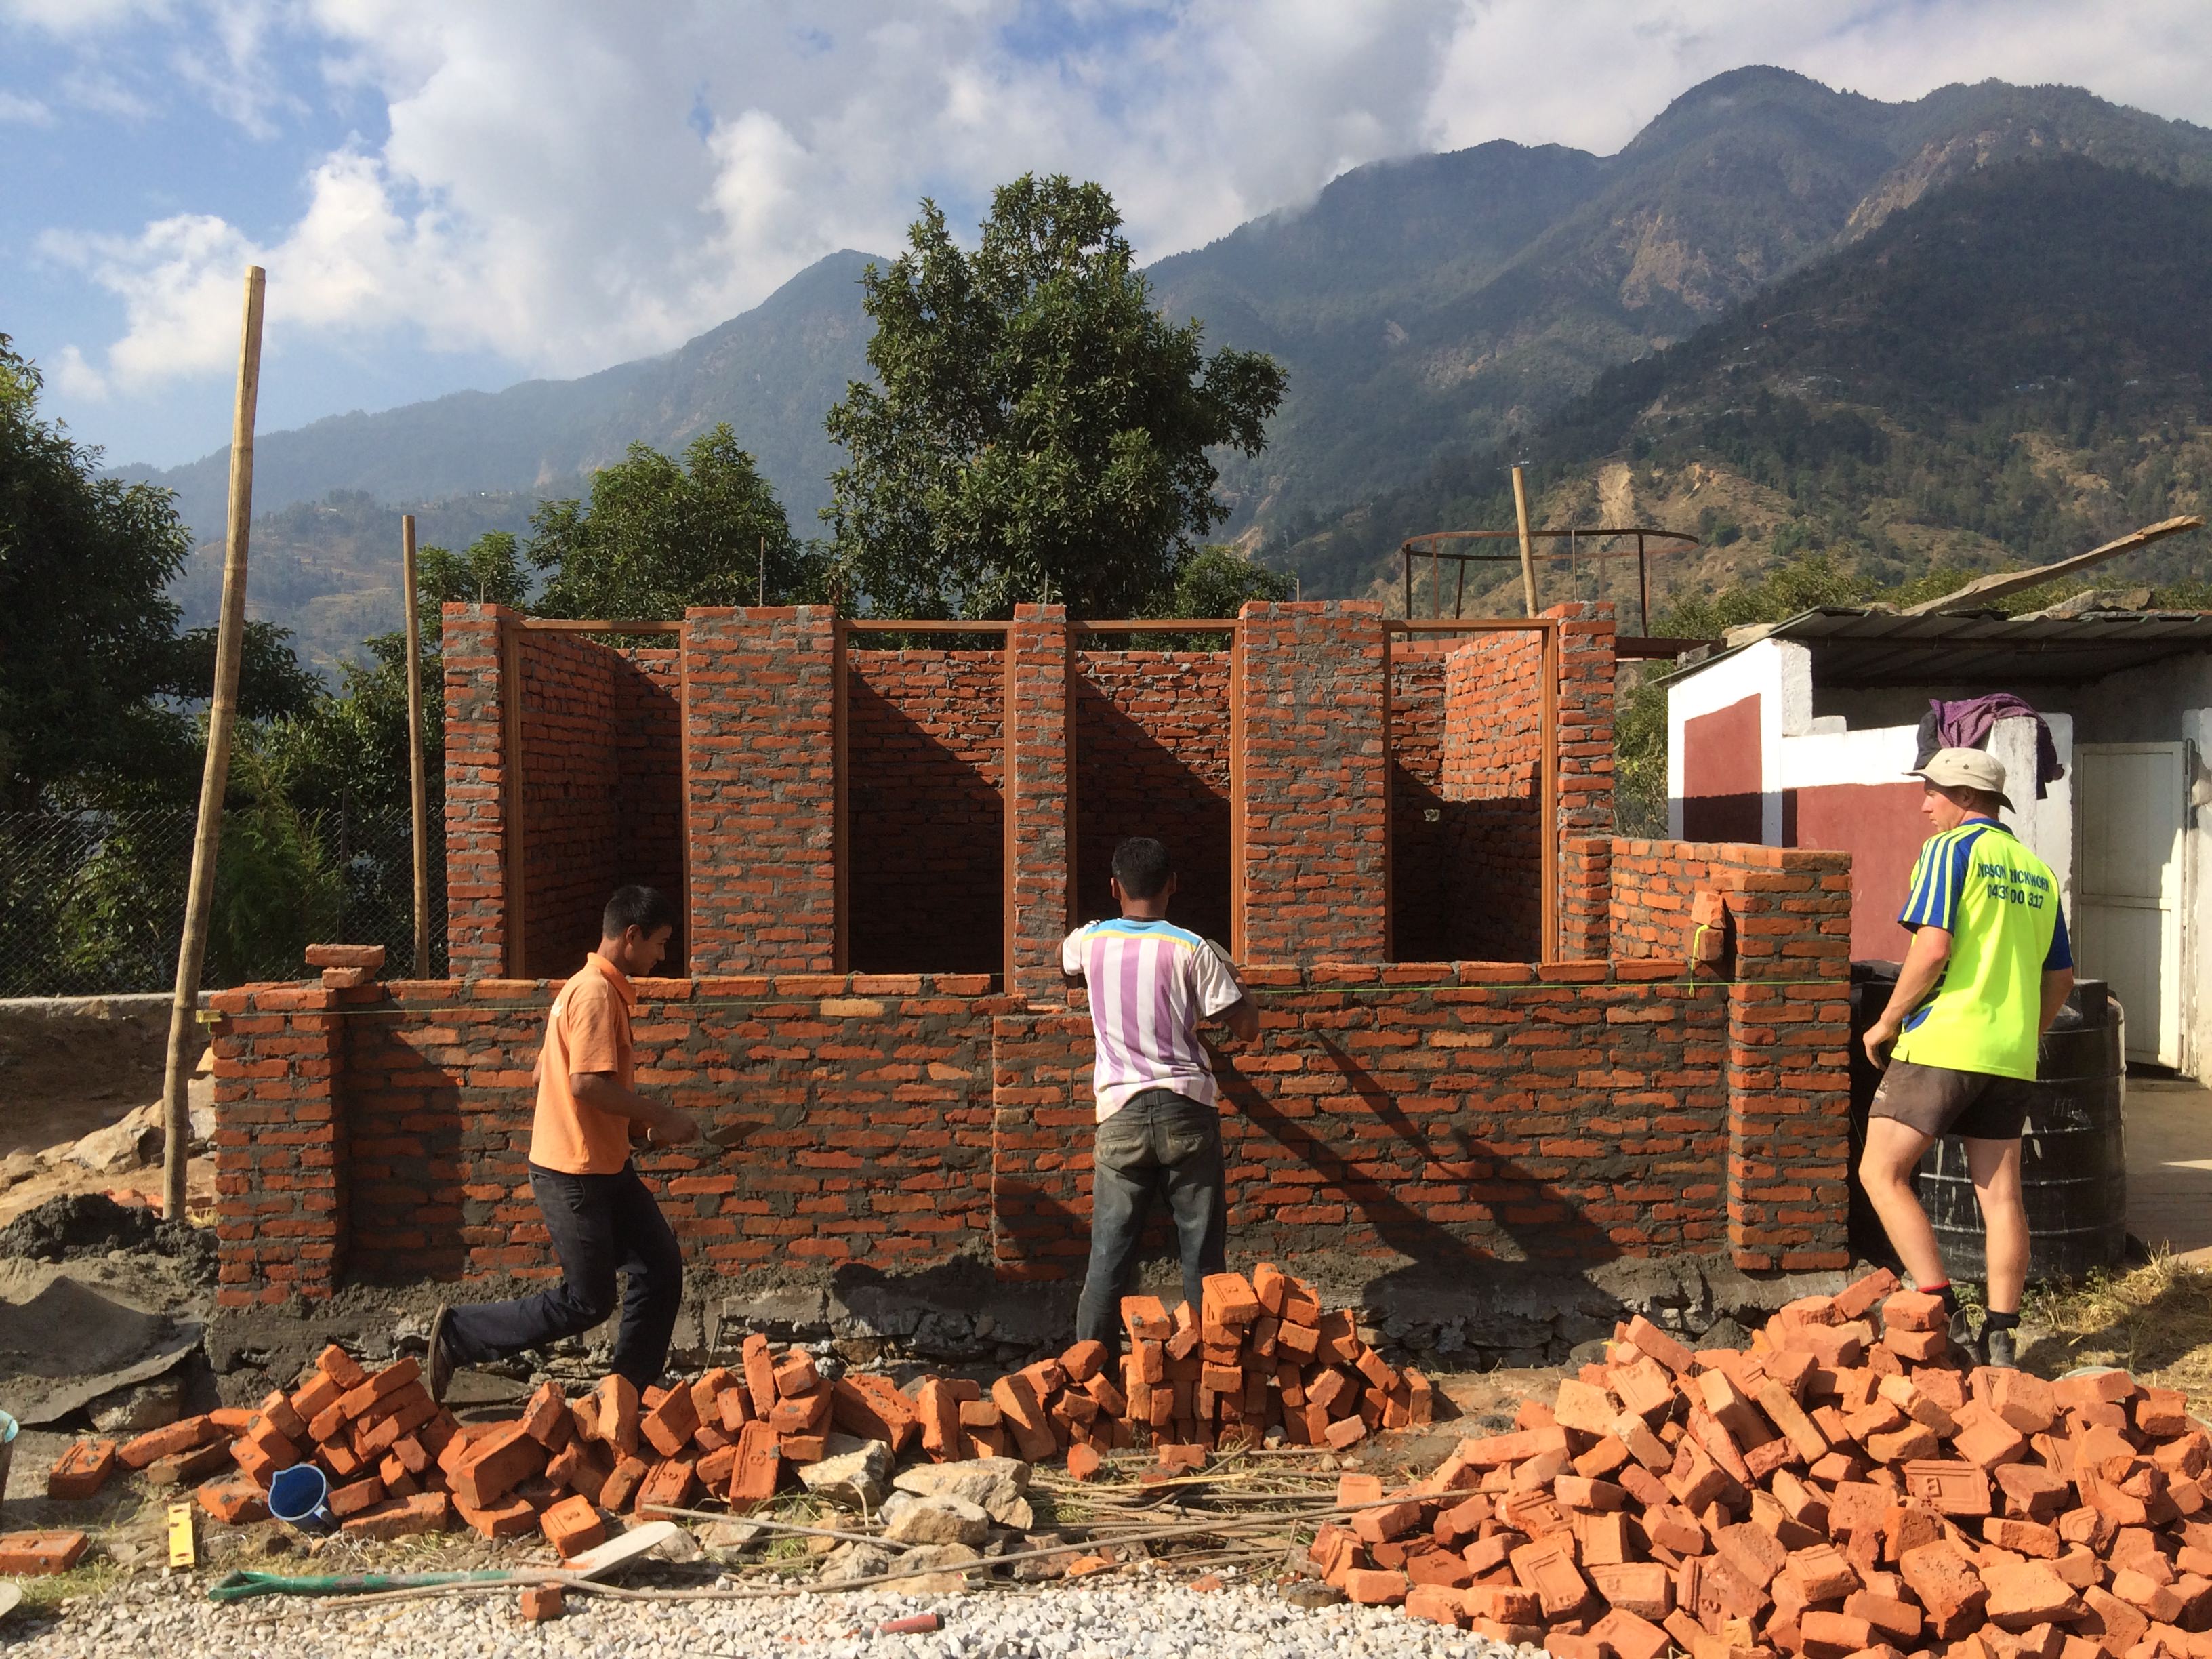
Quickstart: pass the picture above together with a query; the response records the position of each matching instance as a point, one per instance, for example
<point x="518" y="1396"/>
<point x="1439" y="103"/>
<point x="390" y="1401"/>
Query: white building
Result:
<point x="1801" y="738"/>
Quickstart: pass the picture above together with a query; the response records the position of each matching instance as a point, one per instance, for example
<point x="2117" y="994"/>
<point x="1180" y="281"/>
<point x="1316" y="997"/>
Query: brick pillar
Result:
<point x="759" y="741"/>
<point x="1040" y="790"/>
<point x="1585" y="897"/>
<point x="476" y="793"/>
<point x="1310" y="807"/>
<point x="1585" y="718"/>
<point x="1789" y="1066"/>
<point x="279" y="1142"/>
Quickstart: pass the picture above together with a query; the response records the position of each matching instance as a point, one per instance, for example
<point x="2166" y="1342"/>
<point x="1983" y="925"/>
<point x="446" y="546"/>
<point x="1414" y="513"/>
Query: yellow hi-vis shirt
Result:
<point x="2000" y="904"/>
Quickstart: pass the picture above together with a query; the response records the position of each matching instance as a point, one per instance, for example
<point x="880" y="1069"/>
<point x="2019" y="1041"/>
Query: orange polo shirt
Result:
<point x="588" y="1030"/>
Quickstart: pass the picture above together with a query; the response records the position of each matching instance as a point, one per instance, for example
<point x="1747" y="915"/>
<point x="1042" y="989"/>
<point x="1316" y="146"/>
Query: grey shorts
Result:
<point x="1937" y="1101"/>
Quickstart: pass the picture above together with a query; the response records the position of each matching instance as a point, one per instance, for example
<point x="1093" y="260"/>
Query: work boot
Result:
<point x="1999" y="1348"/>
<point x="1965" y="1345"/>
<point x="437" y="1358"/>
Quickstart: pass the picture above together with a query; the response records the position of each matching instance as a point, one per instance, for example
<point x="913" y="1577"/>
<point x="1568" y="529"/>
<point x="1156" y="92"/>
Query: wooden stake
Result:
<point x="1528" y="557"/>
<point x="762" y="599"/>
<point x="417" y="776"/>
<point x="222" y="718"/>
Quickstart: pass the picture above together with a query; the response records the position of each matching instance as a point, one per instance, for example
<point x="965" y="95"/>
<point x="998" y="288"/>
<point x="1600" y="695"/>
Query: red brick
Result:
<point x="236" y="1502"/>
<point x="758" y="1467"/>
<point x="82" y="1470"/>
<point x="542" y="1603"/>
<point x="405" y="1517"/>
<point x="33" y="1554"/>
<point x="670" y="1425"/>
<point x="1369" y="1587"/>
<point x="183" y="1436"/>
<point x="494" y="1465"/>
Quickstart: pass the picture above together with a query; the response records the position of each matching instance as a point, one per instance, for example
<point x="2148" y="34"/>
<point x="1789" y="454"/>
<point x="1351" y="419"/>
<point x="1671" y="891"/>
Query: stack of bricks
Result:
<point x="1846" y="1488"/>
<point x="1259" y="1359"/>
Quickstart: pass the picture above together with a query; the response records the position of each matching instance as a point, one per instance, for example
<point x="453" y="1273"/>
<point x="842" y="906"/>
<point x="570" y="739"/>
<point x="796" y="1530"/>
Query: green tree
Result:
<point x="659" y="536"/>
<point x="86" y="628"/>
<point x="96" y="684"/>
<point x="1038" y="430"/>
<point x="488" y="571"/>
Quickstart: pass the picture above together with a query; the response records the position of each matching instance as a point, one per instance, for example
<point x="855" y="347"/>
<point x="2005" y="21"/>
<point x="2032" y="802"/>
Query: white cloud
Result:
<point x="97" y="92"/>
<point x="67" y="17"/>
<point x="25" y="111"/>
<point x="566" y="183"/>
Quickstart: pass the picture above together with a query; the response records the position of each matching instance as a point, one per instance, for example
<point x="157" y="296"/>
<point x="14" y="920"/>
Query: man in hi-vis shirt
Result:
<point x="1159" y="1118"/>
<point x="600" y="1215"/>
<point x="1986" y="973"/>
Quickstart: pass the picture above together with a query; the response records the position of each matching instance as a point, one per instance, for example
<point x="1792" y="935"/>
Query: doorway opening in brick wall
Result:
<point x="1151" y="732"/>
<point x="596" y="788"/>
<point x="925" y="808"/>
<point x="1473" y="779"/>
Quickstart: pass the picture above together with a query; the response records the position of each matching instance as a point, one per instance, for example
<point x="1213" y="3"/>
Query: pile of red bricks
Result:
<point x="1843" y="1490"/>
<point x="1258" y="1355"/>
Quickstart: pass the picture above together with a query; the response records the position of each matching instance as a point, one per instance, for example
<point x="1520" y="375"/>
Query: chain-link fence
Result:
<point x="92" y="902"/>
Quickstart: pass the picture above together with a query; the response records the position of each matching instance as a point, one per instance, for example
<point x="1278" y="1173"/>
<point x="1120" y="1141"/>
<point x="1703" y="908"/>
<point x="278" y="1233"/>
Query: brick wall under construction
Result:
<point x="1458" y="1093"/>
<point x="1435" y="1113"/>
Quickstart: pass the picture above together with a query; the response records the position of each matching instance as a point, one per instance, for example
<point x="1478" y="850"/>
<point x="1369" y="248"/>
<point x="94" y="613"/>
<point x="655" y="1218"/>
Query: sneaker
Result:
<point x="437" y="1359"/>
<point x="1999" y="1349"/>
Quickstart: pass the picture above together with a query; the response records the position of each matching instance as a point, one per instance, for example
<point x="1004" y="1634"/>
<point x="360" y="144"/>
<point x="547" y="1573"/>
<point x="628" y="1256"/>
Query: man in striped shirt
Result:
<point x="1159" y="1119"/>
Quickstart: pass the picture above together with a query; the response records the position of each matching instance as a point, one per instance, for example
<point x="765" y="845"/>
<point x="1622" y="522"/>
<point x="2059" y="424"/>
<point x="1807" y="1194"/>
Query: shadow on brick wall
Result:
<point x="926" y="826"/>
<point x="1130" y="782"/>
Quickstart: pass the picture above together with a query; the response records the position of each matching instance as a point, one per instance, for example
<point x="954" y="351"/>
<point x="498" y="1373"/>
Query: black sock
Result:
<point x="2000" y="1322"/>
<point x="1950" y="1296"/>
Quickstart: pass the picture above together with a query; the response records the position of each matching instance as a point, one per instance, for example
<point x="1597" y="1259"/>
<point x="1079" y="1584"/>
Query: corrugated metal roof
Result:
<point x="1854" y="647"/>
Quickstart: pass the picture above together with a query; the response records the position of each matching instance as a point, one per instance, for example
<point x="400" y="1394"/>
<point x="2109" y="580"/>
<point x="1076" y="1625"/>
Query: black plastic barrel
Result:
<point x="2074" y="1178"/>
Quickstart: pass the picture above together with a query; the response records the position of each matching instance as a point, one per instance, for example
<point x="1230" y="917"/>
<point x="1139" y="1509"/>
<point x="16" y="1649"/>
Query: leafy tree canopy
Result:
<point x="659" y="536"/>
<point x="1038" y="430"/>
<point x="95" y="682"/>
<point x="86" y="627"/>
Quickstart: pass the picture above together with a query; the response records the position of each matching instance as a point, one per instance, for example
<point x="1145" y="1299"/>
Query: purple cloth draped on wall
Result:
<point x="1966" y="725"/>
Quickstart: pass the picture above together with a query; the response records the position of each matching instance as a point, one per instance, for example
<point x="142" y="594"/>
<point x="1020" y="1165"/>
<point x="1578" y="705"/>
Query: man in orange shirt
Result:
<point x="601" y="1217"/>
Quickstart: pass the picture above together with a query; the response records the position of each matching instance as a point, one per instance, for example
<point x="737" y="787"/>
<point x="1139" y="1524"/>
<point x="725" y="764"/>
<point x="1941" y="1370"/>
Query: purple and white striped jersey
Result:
<point x="1151" y="984"/>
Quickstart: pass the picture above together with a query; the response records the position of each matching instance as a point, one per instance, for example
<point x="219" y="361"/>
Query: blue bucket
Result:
<point x="299" y="1498"/>
<point x="7" y="1453"/>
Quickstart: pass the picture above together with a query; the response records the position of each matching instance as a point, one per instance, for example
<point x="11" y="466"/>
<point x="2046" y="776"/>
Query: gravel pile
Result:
<point x="1123" y="1621"/>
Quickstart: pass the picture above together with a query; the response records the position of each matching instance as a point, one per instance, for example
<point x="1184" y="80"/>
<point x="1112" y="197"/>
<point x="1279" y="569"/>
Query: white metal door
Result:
<point x="2127" y="886"/>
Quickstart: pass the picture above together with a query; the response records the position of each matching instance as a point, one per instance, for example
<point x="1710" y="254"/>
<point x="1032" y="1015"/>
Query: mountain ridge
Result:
<point x="1426" y="308"/>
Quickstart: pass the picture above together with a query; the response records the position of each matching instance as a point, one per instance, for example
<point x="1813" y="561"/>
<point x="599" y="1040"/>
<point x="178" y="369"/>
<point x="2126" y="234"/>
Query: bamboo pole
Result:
<point x="1528" y="557"/>
<point x="222" y="718"/>
<point x="417" y="775"/>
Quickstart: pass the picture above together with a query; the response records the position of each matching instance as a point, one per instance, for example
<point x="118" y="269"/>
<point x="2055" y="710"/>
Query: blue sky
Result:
<point x="465" y="195"/>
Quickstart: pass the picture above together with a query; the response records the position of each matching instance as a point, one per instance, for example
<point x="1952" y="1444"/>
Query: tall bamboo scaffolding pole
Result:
<point x="222" y="718"/>
<point x="1528" y="557"/>
<point x="418" y="777"/>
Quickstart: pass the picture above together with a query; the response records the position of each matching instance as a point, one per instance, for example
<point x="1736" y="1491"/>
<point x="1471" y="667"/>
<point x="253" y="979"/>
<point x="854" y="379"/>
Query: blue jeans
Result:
<point x="600" y="1225"/>
<point x="1160" y="1144"/>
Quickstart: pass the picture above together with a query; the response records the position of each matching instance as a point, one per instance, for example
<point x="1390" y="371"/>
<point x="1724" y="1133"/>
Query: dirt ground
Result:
<point x="62" y="1076"/>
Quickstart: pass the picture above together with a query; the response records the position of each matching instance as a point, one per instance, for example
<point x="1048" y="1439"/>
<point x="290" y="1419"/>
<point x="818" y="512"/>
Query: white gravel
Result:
<point x="1125" y="1620"/>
